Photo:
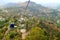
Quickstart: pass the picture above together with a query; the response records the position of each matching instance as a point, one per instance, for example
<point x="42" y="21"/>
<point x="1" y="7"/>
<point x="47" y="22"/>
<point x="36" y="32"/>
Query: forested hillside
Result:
<point x="38" y="22"/>
<point x="33" y="10"/>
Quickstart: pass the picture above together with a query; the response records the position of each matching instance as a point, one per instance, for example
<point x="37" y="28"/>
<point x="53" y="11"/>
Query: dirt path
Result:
<point x="6" y="31"/>
<point x="6" y="34"/>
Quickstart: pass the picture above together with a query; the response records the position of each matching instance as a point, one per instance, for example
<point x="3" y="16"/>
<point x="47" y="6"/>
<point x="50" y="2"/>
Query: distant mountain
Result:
<point x="33" y="9"/>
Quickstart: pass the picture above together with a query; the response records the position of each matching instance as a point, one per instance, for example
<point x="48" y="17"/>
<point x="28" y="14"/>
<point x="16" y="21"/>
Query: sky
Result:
<point x="37" y="1"/>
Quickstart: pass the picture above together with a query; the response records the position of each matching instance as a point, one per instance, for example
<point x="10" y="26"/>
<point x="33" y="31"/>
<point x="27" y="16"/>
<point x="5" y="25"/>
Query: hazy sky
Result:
<point x="37" y="1"/>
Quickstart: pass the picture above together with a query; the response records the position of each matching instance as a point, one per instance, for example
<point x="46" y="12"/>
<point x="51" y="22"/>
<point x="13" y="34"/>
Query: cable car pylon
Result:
<point x="23" y="31"/>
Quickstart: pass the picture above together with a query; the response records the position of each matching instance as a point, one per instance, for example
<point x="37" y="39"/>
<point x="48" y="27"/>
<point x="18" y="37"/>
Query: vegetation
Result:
<point x="41" y="23"/>
<point x="36" y="33"/>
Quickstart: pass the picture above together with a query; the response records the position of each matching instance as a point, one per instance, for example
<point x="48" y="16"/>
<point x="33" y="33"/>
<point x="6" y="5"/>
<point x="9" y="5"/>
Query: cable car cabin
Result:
<point x="12" y="25"/>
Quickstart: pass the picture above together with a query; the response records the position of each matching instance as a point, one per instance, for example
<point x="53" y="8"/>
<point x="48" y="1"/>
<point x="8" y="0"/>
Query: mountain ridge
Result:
<point x="33" y="9"/>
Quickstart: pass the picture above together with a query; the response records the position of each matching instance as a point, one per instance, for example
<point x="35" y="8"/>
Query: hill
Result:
<point x="32" y="10"/>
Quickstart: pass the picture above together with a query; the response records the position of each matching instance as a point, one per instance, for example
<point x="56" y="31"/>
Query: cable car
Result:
<point x="12" y="25"/>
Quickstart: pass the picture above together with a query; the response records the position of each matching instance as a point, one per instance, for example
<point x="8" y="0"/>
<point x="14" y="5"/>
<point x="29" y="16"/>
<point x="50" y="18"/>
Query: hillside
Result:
<point x="37" y="23"/>
<point x="32" y="10"/>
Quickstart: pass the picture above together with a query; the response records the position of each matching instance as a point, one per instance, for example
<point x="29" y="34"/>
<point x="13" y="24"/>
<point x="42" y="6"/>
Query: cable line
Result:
<point x="26" y="6"/>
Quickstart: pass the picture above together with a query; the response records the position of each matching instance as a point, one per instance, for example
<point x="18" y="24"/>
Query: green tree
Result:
<point x="36" y="33"/>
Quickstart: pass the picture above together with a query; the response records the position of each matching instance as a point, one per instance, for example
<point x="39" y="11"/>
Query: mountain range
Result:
<point x="33" y="9"/>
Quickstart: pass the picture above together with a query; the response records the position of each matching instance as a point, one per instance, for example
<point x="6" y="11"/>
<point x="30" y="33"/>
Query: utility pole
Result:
<point x="23" y="30"/>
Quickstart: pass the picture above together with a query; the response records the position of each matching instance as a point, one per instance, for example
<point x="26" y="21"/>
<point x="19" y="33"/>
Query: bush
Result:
<point x="36" y="33"/>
